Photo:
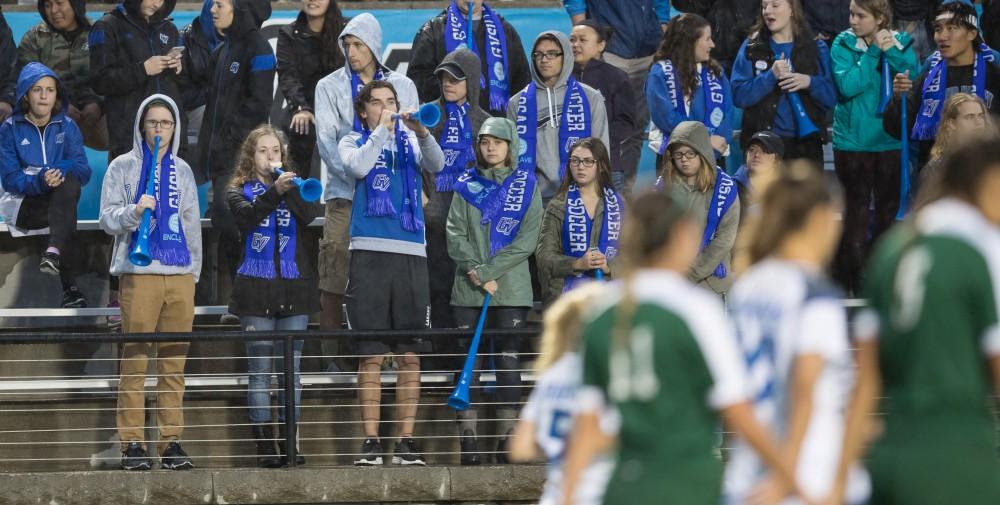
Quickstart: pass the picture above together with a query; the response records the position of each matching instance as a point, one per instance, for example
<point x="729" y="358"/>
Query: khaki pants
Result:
<point x="160" y="303"/>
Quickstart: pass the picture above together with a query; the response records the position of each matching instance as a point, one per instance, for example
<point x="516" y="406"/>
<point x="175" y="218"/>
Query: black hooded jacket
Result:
<point x="428" y="52"/>
<point x="239" y="93"/>
<point x="8" y="62"/>
<point x="730" y="19"/>
<point x="120" y="43"/>
<point x="436" y="209"/>
<point x="300" y="64"/>
<point x="200" y="39"/>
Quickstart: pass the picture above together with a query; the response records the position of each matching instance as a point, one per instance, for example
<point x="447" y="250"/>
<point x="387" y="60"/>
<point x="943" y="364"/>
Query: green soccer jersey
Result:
<point x="933" y="291"/>
<point x="678" y="367"/>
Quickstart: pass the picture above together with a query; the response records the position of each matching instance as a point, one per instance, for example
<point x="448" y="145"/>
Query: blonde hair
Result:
<point x="245" y="170"/>
<point x="946" y="134"/>
<point x="562" y="323"/>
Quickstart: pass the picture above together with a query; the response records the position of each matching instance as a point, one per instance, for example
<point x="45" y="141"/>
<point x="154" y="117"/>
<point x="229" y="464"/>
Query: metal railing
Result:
<point x="59" y="393"/>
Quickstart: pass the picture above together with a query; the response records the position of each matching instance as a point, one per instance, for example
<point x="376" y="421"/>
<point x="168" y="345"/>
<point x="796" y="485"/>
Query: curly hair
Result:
<point x="245" y="169"/>
<point x="677" y="45"/>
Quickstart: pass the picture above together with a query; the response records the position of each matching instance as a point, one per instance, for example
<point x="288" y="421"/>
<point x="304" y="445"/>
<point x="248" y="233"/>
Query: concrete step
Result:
<point x="432" y="484"/>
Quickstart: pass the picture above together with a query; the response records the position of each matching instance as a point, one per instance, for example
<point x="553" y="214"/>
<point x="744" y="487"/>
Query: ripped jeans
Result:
<point x="265" y="357"/>
<point x="506" y="359"/>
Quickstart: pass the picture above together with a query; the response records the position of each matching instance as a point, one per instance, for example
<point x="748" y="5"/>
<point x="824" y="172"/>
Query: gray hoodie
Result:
<point x="118" y="217"/>
<point x="335" y="105"/>
<point x="550" y="107"/>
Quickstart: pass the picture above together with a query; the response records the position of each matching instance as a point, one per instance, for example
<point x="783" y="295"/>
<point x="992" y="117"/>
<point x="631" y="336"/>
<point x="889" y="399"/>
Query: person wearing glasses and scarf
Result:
<point x="710" y="197"/>
<point x="555" y="111"/>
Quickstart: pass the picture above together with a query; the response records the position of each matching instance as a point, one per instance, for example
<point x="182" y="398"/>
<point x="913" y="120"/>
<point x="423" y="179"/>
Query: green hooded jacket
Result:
<point x="469" y="241"/>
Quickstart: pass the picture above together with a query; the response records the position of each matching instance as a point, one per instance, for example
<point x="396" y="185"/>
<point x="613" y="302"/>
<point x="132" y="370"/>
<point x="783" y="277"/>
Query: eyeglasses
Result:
<point x="164" y="124"/>
<point x="684" y="155"/>
<point x="548" y="55"/>
<point x="586" y="162"/>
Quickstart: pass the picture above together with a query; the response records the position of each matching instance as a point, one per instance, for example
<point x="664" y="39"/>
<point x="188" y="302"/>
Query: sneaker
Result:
<point x="114" y="321"/>
<point x="406" y="453"/>
<point x="174" y="458"/>
<point x="228" y="319"/>
<point x="371" y="453"/>
<point x="73" y="298"/>
<point x="49" y="264"/>
<point x="134" y="457"/>
<point x="470" y="449"/>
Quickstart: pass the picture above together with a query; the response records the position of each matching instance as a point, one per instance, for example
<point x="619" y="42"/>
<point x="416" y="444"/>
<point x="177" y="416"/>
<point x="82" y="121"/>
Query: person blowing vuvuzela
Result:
<point x="159" y="296"/>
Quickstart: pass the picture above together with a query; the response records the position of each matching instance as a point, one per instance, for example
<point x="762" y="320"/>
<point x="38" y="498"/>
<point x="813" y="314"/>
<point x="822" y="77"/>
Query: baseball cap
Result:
<point x="769" y="141"/>
<point x="452" y="68"/>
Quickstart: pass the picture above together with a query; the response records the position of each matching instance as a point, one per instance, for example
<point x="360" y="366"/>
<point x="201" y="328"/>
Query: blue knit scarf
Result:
<point x="277" y="228"/>
<point x="166" y="243"/>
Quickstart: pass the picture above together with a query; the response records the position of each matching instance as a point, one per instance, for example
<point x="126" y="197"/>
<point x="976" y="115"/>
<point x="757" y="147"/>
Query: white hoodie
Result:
<point x="335" y="105"/>
<point x="118" y="216"/>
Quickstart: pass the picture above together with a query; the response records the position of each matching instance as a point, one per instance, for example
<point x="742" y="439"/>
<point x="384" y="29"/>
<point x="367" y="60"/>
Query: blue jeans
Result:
<point x="261" y="357"/>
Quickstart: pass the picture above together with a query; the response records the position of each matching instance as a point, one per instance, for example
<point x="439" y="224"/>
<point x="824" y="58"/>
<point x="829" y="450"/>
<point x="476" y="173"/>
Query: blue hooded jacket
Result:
<point x="58" y="144"/>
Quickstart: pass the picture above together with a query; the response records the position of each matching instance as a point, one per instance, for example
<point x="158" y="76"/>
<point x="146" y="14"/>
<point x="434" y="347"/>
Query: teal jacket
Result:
<point x="856" y="71"/>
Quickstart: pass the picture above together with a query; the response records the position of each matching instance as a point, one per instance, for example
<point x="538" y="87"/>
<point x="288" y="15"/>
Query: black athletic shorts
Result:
<point x="388" y="291"/>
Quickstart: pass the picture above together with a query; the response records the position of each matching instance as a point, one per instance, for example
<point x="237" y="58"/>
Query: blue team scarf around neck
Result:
<point x="723" y="197"/>
<point x="712" y="93"/>
<point x="356" y="86"/>
<point x="167" y="244"/>
<point x="277" y="228"/>
<point x="502" y="206"/>
<point x="496" y="55"/>
<point x="935" y="87"/>
<point x="577" y="226"/>
<point x="456" y="144"/>
<point x="575" y="124"/>
<point x="379" y="181"/>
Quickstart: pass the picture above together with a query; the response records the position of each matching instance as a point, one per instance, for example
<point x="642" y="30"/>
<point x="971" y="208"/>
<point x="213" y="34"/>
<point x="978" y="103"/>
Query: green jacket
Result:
<point x="857" y="72"/>
<point x="469" y="247"/>
<point x="69" y="59"/>
<point x="720" y="248"/>
<point x="553" y="264"/>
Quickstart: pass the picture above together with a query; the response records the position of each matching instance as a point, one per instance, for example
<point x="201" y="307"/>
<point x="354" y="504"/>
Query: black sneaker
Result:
<point x="406" y="453"/>
<point x="371" y="453"/>
<point x="73" y="298"/>
<point x="134" y="457"/>
<point x="470" y="449"/>
<point x="174" y="458"/>
<point x="49" y="264"/>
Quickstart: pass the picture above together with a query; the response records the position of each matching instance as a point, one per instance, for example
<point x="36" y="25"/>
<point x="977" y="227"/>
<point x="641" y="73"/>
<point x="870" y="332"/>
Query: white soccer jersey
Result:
<point x="552" y="407"/>
<point x="782" y="311"/>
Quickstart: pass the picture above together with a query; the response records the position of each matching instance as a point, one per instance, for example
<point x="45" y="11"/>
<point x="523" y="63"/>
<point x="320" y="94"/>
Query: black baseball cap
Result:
<point x="769" y="141"/>
<point x="452" y="68"/>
